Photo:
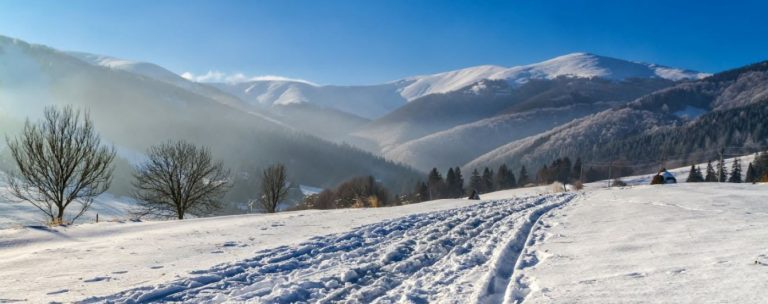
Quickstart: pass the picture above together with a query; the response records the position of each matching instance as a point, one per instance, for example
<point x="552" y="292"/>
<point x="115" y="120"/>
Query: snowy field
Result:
<point x="73" y="263"/>
<point x="684" y="243"/>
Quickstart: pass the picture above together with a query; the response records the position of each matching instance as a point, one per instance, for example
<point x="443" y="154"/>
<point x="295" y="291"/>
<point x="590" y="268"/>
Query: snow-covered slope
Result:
<point x="136" y="111"/>
<point x="463" y="143"/>
<point x="365" y="101"/>
<point x="156" y="72"/>
<point x="583" y="65"/>
<point x="376" y="100"/>
<point x="736" y="103"/>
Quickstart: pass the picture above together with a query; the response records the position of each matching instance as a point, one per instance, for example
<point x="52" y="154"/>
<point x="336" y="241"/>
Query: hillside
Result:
<point x="494" y="99"/>
<point x="134" y="112"/>
<point x="701" y="117"/>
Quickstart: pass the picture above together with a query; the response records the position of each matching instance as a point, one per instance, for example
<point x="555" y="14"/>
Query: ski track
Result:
<point x="420" y="258"/>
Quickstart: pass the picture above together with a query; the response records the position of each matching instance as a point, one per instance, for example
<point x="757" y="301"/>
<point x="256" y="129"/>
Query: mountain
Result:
<point x="364" y="101"/>
<point x="581" y="65"/>
<point x="132" y="109"/>
<point x="496" y="112"/>
<point x="468" y="95"/>
<point x="691" y="121"/>
<point x="374" y="101"/>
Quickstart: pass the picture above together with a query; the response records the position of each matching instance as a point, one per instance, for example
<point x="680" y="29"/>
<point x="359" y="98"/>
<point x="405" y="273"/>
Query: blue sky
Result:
<point x="365" y="42"/>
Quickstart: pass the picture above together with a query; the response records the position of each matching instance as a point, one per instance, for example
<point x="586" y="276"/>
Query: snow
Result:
<point x="15" y="214"/>
<point x="682" y="243"/>
<point x="583" y="65"/>
<point x="694" y="243"/>
<point x="134" y="254"/>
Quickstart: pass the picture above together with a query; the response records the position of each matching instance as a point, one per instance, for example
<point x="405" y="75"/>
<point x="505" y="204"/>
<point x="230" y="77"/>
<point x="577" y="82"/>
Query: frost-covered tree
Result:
<point x="735" y="171"/>
<point x="179" y="178"/>
<point x="60" y="160"/>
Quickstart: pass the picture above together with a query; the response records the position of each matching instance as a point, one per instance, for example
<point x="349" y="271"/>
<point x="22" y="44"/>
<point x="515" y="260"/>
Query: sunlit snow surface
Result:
<point x="684" y="243"/>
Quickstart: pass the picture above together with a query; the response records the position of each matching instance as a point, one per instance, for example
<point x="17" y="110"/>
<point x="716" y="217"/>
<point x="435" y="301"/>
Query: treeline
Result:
<point x="757" y="171"/>
<point x="358" y="192"/>
<point x="454" y="185"/>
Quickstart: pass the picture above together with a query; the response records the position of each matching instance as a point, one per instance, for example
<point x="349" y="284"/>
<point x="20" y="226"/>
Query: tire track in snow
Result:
<point x="390" y="261"/>
<point x="503" y="284"/>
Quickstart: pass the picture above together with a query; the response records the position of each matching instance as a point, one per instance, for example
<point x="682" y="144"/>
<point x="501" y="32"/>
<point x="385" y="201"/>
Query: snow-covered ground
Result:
<point x="15" y="214"/>
<point x="684" y="243"/>
<point x="73" y="263"/>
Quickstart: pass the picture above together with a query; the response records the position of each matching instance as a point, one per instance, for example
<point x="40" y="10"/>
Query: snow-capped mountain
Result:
<point x="584" y="65"/>
<point x="369" y="102"/>
<point x="375" y="101"/>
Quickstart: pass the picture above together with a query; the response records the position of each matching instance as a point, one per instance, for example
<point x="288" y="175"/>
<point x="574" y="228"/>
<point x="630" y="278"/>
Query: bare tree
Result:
<point x="60" y="160"/>
<point x="179" y="178"/>
<point x="273" y="187"/>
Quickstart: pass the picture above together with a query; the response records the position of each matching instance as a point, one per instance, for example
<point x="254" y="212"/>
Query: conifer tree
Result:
<point x="475" y="181"/>
<point x="735" y="171"/>
<point x="421" y="192"/>
<point x="435" y="184"/>
<point x="751" y="176"/>
<point x="692" y="175"/>
<point x="722" y="172"/>
<point x="522" y="178"/>
<point x="488" y="185"/>
<point x="459" y="182"/>
<point x="711" y="175"/>
<point x="450" y="184"/>
<point x="699" y="175"/>
<point x="505" y="179"/>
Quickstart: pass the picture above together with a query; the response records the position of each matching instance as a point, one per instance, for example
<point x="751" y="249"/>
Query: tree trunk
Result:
<point x="60" y="215"/>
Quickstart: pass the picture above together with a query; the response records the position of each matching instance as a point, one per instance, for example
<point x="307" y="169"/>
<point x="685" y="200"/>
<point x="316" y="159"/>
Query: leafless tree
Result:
<point x="60" y="160"/>
<point x="179" y="178"/>
<point x="273" y="187"/>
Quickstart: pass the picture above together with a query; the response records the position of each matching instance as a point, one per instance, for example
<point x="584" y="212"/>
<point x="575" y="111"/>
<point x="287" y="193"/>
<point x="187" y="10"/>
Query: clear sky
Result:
<point x="365" y="42"/>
